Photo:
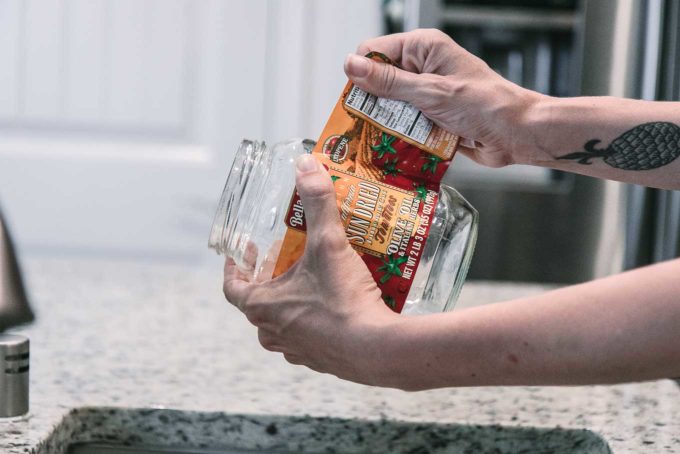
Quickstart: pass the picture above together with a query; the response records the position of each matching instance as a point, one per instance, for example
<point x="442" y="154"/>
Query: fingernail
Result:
<point x="306" y="163"/>
<point x="357" y="66"/>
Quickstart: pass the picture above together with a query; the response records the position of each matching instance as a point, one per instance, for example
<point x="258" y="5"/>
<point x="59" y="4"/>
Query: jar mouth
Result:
<point x="249" y="155"/>
<point x="241" y="212"/>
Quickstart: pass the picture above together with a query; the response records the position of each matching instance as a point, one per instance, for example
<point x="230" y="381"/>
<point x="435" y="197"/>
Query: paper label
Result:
<point x="386" y="160"/>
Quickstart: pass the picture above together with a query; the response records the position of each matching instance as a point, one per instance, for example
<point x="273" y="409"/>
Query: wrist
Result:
<point x="380" y="356"/>
<point x="418" y="353"/>
<point x="402" y="360"/>
<point x="531" y="123"/>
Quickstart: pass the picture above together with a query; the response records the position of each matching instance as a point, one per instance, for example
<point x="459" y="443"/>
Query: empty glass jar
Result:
<point x="249" y="225"/>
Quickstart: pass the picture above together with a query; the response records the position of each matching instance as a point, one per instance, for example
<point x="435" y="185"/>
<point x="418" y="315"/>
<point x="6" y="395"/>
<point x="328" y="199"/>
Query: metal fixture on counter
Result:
<point x="14" y="307"/>
<point x="14" y="359"/>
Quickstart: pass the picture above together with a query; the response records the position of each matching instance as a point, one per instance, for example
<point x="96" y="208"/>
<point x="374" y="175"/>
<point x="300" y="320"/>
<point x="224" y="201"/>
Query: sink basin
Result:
<point x="160" y="431"/>
<point x="102" y="448"/>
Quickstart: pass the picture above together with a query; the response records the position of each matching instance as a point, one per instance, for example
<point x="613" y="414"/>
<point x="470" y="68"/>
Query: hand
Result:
<point x="453" y="88"/>
<point x="326" y="312"/>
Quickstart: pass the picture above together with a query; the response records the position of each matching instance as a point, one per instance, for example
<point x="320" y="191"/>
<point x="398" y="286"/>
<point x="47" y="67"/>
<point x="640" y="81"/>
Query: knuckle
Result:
<point x="409" y="388"/>
<point x="438" y="36"/>
<point x="441" y="86"/>
<point x="256" y="310"/>
<point x="267" y="346"/>
<point x="430" y="36"/>
<point x="317" y="187"/>
<point x="332" y="240"/>
<point x="456" y="87"/>
<point x="367" y="46"/>
<point x="420" y="33"/>
<point x="255" y="314"/>
<point x="229" y="293"/>
<point x="363" y="48"/>
<point x="266" y="341"/>
<point x="292" y="359"/>
<point x="494" y="160"/>
<point x="437" y="93"/>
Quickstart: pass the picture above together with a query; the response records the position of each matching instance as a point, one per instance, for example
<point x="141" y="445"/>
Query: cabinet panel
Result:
<point x="149" y="99"/>
<point x="10" y="30"/>
<point x="43" y="70"/>
<point x="85" y="41"/>
<point x="167" y="62"/>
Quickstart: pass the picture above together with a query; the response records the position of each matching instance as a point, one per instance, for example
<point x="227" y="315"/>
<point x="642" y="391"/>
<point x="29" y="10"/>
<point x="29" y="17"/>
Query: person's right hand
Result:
<point x="453" y="88"/>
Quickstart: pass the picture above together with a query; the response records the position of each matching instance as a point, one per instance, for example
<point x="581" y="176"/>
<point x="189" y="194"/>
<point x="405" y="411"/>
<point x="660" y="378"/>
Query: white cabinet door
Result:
<point x="119" y="118"/>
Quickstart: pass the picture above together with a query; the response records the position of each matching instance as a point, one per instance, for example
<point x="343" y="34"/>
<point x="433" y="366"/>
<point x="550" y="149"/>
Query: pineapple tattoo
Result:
<point x="645" y="147"/>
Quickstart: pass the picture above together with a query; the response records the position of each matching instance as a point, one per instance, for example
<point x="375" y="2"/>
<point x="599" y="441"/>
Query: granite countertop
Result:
<point x="150" y="335"/>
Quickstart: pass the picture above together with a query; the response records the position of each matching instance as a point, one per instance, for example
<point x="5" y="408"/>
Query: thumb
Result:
<point x="382" y="79"/>
<point x="315" y="187"/>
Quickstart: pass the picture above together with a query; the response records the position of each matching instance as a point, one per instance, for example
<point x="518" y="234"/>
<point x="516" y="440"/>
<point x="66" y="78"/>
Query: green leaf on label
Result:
<point x="385" y="145"/>
<point x="390" y="167"/>
<point x="431" y="164"/>
<point x="421" y="192"/>
<point x="391" y="266"/>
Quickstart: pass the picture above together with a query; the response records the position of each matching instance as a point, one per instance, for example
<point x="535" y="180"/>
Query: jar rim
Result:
<point x="248" y="155"/>
<point x="252" y="159"/>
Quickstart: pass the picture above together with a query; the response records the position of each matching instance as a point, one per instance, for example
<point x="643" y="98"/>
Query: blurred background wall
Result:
<point x="119" y="118"/>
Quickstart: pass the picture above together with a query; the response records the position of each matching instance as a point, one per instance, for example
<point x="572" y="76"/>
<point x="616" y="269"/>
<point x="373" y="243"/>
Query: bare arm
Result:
<point x="618" y="139"/>
<point x="618" y="329"/>
<point x="327" y="314"/>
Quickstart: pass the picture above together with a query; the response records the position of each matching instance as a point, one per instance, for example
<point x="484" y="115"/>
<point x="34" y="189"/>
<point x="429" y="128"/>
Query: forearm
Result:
<point x="559" y="131"/>
<point x="622" y="328"/>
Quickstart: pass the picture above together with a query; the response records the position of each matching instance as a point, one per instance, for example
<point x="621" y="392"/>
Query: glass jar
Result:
<point x="249" y="225"/>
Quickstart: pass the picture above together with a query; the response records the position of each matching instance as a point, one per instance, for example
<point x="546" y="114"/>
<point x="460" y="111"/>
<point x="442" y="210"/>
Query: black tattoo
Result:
<point x="647" y="146"/>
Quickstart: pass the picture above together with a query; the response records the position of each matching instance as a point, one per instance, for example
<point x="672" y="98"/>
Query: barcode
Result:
<point x="398" y="116"/>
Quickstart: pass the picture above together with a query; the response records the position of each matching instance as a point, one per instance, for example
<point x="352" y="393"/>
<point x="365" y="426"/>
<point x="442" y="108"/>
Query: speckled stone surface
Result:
<point x="144" y="335"/>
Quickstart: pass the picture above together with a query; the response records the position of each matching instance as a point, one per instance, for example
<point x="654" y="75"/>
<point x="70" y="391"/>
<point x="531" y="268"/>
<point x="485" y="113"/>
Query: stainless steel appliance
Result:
<point x="535" y="224"/>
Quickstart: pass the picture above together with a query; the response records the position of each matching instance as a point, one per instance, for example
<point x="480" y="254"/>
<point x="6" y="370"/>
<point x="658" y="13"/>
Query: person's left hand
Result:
<point x="326" y="312"/>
